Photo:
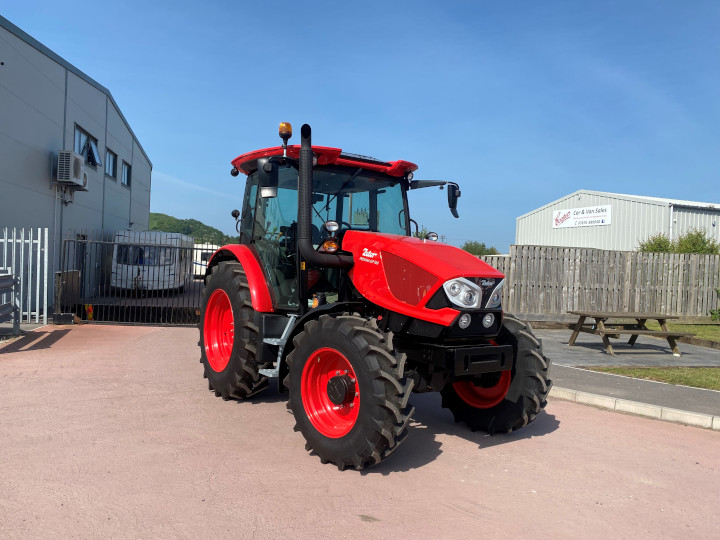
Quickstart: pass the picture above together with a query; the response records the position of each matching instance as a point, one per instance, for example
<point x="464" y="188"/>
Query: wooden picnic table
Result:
<point x="614" y="330"/>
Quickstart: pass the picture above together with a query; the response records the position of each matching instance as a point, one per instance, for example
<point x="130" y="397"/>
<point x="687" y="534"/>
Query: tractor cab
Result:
<point x="349" y="192"/>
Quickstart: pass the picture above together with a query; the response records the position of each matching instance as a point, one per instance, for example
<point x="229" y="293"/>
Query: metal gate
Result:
<point x="131" y="277"/>
<point x="24" y="254"/>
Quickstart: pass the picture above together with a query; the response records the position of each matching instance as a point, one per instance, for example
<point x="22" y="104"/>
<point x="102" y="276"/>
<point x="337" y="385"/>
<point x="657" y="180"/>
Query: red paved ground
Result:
<point x="110" y="431"/>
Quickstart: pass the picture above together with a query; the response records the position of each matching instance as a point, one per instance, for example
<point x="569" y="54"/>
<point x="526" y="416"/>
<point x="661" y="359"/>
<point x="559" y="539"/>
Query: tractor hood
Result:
<point x="403" y="273"/>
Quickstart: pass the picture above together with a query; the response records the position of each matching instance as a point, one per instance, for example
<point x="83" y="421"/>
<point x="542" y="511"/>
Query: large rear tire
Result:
<point x="228" y="336"/>
<point x="516" y="397"/>
<point x="348" y="391"/>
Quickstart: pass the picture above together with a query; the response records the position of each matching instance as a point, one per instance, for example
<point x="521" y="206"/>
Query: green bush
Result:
<point x="693" y="241"/>
<point x="656" y="244"/>
<point x="697" y="241"/>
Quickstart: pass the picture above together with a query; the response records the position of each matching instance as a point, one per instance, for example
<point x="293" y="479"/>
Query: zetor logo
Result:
<point x="369" y="256"/>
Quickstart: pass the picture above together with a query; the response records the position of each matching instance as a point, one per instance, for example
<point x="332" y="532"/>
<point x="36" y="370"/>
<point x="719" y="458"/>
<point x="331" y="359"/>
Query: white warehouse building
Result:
<point x="596" y="219"/>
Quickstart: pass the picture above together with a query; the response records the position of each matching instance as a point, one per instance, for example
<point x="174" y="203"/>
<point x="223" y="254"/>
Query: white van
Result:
<point x="202" y="253"/>
<point x="151" y="261"/>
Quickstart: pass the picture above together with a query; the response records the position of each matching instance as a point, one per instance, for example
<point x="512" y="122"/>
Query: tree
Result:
<point x="479" y="248"/>
<point x="421" y="233"/>
<point x="693" y="241"/>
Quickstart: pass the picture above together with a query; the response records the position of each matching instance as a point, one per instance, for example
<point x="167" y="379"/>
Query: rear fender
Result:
<point x="259" y="290"/>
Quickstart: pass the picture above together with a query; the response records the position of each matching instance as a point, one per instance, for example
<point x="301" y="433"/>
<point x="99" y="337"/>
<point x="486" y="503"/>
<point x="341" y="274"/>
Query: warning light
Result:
<point x="285" y="130"/>
<point x="331" y="246"/>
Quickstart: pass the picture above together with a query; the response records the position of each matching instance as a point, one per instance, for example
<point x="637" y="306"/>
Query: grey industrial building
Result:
<point x="48" y="106"/>
<point x="595" y="219"/>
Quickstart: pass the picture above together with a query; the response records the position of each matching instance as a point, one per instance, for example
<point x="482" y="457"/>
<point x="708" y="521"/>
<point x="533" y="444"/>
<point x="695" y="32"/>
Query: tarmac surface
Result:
<point x="110" y="431"/>
<point x="588" y="352"/>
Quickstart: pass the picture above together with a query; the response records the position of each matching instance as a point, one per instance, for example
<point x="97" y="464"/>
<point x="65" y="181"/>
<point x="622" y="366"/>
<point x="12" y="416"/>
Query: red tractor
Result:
<point x="328" y="292"/>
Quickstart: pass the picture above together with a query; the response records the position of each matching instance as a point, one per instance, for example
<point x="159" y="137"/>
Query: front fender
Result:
<point x="259" y="290"/>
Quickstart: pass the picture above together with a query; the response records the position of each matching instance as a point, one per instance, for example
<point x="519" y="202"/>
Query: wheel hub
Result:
<point x="341" y="389"/>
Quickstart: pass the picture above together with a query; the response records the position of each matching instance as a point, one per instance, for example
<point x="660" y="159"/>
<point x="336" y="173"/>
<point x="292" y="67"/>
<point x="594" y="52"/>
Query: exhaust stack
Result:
<point x="305" y="245"/>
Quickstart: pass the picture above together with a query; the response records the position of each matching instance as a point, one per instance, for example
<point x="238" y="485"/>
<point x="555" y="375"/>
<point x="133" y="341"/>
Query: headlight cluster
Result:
<point x="494" y="301"/>
<point x="463" y="293"/>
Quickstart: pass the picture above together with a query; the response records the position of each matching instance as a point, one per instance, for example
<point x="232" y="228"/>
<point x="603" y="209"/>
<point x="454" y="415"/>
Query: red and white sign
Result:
<point x="590" y="216"/>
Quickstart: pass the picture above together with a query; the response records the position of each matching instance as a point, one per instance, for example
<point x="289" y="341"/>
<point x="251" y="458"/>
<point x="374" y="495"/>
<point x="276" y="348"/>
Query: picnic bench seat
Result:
<point x="638" y="328"/>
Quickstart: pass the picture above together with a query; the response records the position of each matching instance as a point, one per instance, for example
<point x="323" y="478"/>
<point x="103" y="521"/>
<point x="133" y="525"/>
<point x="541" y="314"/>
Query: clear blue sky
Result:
<point x="520" y="102"/>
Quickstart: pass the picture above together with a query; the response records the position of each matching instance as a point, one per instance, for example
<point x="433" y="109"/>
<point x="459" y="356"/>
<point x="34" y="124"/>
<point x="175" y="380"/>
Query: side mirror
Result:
<point x="268" y="178"/>
<point x="453" y="191"/>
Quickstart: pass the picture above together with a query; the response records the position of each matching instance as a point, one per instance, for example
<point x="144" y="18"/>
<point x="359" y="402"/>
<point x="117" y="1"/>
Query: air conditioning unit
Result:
<point x="71" y="169"/>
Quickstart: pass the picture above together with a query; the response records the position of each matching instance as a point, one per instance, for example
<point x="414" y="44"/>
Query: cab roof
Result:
<point x="247" y="163"/>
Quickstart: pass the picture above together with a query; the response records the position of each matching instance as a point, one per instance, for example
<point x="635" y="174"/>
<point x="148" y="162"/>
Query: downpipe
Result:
<point x="305" y="246"/>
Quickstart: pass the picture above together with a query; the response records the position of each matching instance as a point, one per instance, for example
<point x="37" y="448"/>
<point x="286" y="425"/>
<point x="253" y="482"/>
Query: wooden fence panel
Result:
<point x="550" y="281"/>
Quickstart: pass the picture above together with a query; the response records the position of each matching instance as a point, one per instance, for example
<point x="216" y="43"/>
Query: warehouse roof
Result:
<point x="10" y="27"/>
<point x="639" y="198"/>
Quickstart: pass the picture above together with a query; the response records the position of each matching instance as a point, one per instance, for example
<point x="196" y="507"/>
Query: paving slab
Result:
<point x="589" y="351"/>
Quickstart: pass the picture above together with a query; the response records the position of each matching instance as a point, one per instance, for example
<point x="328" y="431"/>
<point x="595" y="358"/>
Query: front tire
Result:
<point x="228" y="336"/>
<point x="348" y="391"/>
<point x="516" y="397"/>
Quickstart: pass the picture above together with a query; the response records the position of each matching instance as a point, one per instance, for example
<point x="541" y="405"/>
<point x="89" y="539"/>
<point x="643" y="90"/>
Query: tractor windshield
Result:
<point x="357" y="199"/>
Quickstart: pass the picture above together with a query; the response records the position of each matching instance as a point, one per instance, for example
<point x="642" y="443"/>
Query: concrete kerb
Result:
<point x="641" y="409"/>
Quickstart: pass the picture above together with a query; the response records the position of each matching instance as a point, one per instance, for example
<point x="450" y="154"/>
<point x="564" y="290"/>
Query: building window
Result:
<point x="86" y="145"/>
<point x="126" y="176"/>
<point x="111" y="163"/>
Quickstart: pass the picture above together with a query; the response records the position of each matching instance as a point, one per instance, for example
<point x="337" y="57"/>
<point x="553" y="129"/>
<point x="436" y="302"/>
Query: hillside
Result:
<point x="199" y="231"/>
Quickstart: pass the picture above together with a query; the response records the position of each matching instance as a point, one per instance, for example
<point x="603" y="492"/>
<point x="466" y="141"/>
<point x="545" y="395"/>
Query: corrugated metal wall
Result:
<point x="696" y="218"/>
<point x="632" y="221"/>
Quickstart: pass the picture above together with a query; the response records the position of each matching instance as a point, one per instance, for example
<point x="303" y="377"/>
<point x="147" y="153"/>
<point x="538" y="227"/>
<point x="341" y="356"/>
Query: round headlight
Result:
<point x="432" y="236"/>
<point x="488" y="320"/>
<point x="464" y="321"/>
<point x="455" y="289"/>
<point x="332" y="226"/>
<point x="469" y="298"/>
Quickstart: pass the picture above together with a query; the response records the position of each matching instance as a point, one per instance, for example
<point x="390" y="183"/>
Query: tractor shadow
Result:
<point x="430" y="420"/>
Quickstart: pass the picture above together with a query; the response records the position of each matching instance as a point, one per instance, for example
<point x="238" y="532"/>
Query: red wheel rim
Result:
<point x="328" y="418"/>
<point x="219" y="330"/>
<point x="483" y="398"/>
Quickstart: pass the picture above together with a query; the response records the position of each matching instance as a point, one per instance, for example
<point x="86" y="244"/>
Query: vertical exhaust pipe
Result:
<point x="305" y="179"/>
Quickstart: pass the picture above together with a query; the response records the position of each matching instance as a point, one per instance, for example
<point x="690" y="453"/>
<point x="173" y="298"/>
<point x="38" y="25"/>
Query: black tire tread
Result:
<point x="245" y="380"/>
<point x="387" y="428"/>
<point x="528" y="391"/>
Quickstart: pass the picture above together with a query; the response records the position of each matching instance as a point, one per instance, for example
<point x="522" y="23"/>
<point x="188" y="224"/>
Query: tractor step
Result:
<point x="274" y="372"/>
<point x="280" y="344"/>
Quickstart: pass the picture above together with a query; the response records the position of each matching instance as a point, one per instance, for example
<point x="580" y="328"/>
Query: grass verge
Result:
<point x="698" y="377"/>
<point x="703" y="331"/>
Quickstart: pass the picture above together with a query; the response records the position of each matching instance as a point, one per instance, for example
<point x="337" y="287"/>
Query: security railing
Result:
<point x="146" y="277"/>
<point x="24" y="254"/>
<point x="10" y="301"/>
